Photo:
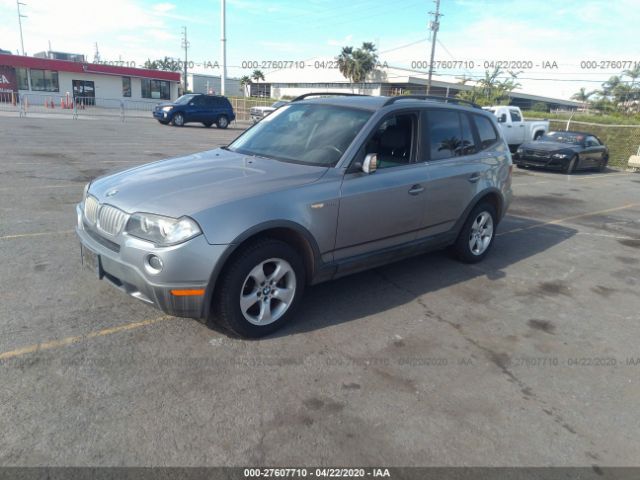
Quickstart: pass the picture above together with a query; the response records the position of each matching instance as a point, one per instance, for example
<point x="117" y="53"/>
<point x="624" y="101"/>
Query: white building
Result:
<point x="44" y="79"/>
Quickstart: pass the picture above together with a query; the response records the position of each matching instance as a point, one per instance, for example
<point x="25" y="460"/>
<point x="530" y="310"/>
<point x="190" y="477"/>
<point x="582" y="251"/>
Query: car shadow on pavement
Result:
<point x="387" y="287"/>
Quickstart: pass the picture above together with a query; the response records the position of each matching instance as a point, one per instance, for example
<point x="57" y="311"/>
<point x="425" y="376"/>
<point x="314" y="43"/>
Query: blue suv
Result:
<point x="196" y="107"/>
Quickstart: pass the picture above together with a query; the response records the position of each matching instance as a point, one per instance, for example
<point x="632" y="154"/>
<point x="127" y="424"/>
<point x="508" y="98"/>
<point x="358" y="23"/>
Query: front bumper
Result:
<point x="122" y="262"/>
<point x="161" y="115"/>
<point x="540" y="162"/>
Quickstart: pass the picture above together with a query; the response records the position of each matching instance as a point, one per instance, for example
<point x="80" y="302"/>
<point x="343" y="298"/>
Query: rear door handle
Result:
<point x="474" y="177"/>
<point x="416" y="189"/>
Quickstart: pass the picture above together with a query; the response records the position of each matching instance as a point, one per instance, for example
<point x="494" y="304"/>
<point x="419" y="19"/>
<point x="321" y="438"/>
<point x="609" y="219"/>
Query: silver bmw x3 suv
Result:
<point x="321" y="188"/>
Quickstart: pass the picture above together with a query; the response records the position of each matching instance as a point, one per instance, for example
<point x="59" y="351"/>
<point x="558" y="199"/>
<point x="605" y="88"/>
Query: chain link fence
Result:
<point x="79" y="107"/>
<point x="242" y="106"/>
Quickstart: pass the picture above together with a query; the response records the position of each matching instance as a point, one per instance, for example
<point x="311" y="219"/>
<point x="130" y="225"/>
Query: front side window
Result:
<point x="392" y="141"/>
<point x="126" y="86"/>
<point x="486" y="131"/>
<point x="156" y="89"/>
<point x="312" y="134"/>
<point x="44" y="80"/>
<point x="449" y="134"/>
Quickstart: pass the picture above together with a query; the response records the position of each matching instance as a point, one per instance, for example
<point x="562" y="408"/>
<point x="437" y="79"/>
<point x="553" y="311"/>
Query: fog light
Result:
<point x="153" y="264"/>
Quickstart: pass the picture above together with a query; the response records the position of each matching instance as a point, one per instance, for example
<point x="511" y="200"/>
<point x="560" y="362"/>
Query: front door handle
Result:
<point x="416" y="189"/>
<point x="474" y="177"/>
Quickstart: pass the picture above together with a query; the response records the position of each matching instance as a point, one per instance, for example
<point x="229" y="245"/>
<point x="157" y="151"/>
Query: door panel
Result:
<point x="452" y="185"/>
<point x="378" y="211"/>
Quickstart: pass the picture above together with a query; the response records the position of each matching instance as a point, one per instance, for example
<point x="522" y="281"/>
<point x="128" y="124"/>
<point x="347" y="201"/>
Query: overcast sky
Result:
<point x="565" y="32"/>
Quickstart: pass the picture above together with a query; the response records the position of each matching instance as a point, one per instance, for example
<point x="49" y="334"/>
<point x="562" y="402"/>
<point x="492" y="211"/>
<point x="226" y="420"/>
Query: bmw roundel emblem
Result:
<point x="111" y="193"/>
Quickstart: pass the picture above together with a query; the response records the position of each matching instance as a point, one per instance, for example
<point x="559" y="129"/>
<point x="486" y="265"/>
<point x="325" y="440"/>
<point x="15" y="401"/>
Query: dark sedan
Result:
<point x="566" y="151"/>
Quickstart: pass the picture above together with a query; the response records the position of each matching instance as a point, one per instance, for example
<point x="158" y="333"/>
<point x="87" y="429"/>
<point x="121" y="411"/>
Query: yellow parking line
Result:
<point x="576" y="179"/>
<point x="79" y="338"/>
<point x="565" y="219"/>
<point x="36" y="234"/>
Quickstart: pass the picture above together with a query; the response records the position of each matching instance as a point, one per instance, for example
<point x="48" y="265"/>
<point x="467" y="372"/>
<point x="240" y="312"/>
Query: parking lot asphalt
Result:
<point x="529" y="358"/>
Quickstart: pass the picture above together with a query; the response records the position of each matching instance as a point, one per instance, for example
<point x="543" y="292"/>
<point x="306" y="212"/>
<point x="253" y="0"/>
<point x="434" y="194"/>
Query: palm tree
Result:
<point x="356" y="64"/>
<point x="245" y="81"/>
<point x="634" y="74"/>
<point x="257" y="75"/>
<point x="583" y="96"/>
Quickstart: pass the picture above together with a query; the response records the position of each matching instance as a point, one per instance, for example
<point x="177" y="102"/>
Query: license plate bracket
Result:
<point x="90" y="260"/>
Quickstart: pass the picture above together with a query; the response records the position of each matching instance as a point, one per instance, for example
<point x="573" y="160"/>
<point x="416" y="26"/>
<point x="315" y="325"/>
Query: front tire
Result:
<point x="260" y="289"/>
<point x="570" y="167"/>
<point x="223" y="122"/>
<point x="178" y="120"/>
<point x="477" y="234"/>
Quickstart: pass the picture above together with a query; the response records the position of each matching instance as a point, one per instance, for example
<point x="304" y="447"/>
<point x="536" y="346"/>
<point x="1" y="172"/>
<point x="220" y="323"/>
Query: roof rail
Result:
<point x="456" y="101"/>
<point x="327" y="94"/>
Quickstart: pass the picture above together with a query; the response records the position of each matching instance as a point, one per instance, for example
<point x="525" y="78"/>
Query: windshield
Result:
<point x="563" y="137"/>
<point x="184" y="99"/>
<point x="311" y="134"/>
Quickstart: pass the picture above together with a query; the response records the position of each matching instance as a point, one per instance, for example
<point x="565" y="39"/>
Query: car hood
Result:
<point x="549" y="146"/>
<point x="192" y="184"/>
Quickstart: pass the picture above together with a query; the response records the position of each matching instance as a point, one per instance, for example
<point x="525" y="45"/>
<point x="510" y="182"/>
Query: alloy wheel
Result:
<point x="268" y="291"/>
<point x="481" y="233"/>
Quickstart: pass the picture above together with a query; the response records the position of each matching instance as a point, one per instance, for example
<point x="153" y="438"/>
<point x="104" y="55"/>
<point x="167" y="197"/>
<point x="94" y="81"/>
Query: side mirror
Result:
<point x="370" y="163"/>
<point x="502" y="118"/>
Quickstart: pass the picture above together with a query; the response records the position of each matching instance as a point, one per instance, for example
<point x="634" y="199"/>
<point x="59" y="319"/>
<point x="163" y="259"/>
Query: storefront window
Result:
<point x="126" y="86"/>
<point x="157" y="89"/>
<point x="21" y="76"/>
<point x="44" y="80"/>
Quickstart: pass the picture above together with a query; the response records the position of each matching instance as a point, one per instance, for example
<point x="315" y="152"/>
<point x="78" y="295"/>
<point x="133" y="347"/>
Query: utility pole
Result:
<point x="185" y="45"/>
<point x="20" y="17"/>
<point x="434" y="25"/>
<point x="223" y="46"/>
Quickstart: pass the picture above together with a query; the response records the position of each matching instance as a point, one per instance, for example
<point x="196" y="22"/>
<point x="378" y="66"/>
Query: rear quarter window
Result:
<point x="486" y="131"/>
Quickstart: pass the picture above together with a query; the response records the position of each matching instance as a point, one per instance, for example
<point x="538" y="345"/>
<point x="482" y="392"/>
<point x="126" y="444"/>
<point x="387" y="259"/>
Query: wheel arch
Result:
<point x="294" y="234"/>
<point x="491" y="195"/>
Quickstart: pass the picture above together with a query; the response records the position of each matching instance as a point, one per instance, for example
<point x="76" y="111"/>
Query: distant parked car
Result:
<point x="195" y="107"/>
<point x="258" y="113"/>
<point x="566" y="151"/>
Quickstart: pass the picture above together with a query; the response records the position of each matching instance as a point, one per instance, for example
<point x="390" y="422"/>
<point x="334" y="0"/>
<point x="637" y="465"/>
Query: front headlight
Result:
<point x="167" y="108"/>
<point x="162" y="231"/>
<point x="560" y="156"/>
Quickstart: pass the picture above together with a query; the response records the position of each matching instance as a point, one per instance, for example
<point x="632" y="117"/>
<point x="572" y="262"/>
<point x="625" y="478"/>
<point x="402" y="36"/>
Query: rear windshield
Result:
<point x="310" y="134"/>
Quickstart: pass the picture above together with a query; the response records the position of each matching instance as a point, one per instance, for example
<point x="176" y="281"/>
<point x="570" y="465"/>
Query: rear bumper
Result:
<point x="188" y="266"/>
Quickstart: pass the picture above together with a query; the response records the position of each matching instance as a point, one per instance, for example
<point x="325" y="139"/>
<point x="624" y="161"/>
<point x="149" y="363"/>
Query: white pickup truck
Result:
<point x="516" y="130"/>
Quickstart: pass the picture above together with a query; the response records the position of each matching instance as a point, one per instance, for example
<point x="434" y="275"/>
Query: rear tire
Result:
<point x="477" y="234"/>
<point x="260" y="289"/>
<point x="223" y="122"/>
<point x="570" y="167"/>
<point x="603" y="164"/>
<point x="178" y="120"/>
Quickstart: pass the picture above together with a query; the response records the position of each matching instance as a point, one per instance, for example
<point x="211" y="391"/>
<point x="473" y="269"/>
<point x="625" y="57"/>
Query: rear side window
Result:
<point x="486" y="132"/>
<point x="449" y="133"/>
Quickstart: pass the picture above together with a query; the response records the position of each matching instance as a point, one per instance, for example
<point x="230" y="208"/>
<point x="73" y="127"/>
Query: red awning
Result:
<point x="80" y="67"/>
